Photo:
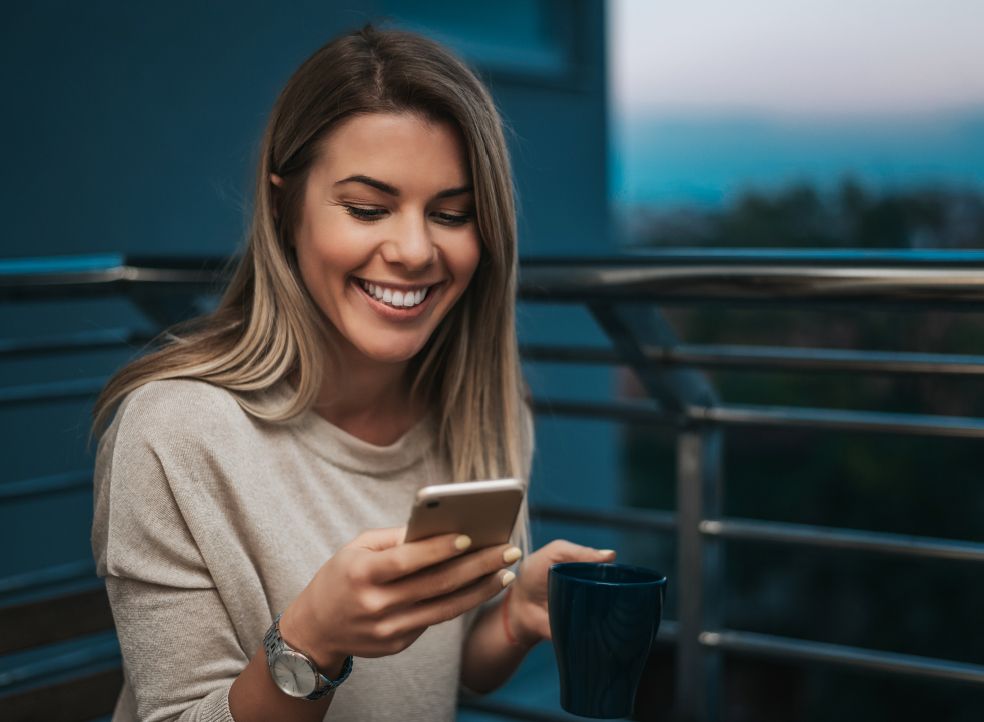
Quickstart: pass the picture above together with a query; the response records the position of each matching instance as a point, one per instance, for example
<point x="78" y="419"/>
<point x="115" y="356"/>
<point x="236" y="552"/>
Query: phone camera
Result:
<point x="432" y="504"/>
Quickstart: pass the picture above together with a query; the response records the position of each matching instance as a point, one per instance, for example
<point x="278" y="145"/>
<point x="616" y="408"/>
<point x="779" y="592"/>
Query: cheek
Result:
<point x="332" y="252"/>
<point x="311" y="278"/>
<point x="465" y="259"/>
<point x="322" y="275"/>
<point x="305" y="267"/>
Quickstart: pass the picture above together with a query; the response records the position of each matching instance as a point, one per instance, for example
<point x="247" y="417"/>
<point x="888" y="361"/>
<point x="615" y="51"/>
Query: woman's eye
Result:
<point x="365" y="214"/>
<point x="375" y="214"/>
<point x="453" y="219"/>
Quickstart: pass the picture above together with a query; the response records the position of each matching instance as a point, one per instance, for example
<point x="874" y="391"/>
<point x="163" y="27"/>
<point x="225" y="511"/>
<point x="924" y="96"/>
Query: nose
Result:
<point x="413" y="248"/>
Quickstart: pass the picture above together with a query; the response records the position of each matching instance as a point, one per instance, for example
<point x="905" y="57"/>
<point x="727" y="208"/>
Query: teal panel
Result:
<point x="135" y="128"/>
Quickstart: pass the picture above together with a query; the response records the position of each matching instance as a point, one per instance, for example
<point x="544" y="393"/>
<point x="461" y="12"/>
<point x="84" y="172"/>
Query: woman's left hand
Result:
<point x="528" y="617"/>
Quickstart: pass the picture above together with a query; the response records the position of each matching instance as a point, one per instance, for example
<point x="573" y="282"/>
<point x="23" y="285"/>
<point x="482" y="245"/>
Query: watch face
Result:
<point x="294" y="674"/>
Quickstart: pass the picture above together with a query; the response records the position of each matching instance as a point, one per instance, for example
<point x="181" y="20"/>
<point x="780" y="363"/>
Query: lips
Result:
<point x="394" y="313"/>
<point x="395" y="296"/>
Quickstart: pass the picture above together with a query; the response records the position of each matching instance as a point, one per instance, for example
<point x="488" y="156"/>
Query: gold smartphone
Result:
<point x="484" y="510"/>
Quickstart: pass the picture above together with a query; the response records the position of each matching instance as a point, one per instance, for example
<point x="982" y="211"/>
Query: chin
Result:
<point x="391" y="354"/>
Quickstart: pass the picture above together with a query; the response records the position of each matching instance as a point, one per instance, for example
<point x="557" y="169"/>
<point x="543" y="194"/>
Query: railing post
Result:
<point x="699" y="574"/>
<point x="699" y="484"/>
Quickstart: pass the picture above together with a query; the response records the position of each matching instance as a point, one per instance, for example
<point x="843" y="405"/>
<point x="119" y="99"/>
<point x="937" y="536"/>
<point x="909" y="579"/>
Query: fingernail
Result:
<point x="462" y="542"/>
<point x="511" y="554"/>
<point x="606" y="552"/>
<point x="507" y="578"/>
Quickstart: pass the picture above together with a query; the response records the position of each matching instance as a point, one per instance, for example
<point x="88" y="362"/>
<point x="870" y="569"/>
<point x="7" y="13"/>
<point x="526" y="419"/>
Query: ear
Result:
<point x="279" y="183"/>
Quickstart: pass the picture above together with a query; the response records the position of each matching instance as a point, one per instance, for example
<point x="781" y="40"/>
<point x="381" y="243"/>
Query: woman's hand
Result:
<point x="527" y="615"/>
<point x="376" y="595"/>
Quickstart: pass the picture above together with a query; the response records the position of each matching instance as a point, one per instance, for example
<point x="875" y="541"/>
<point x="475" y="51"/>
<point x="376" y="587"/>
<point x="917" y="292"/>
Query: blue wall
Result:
<point x="134" y="128"/>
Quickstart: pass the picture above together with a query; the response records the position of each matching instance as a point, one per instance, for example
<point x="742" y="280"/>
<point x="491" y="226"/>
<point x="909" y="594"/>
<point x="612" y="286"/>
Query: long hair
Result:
<point x="266" y="325"/>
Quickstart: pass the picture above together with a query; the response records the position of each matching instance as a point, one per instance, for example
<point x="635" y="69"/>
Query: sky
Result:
<point x="710" y="98"/>
<point x="800" y="58"/>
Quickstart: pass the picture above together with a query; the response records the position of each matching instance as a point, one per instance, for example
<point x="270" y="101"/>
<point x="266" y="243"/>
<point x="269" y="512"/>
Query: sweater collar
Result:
<point x="344" y="450"/>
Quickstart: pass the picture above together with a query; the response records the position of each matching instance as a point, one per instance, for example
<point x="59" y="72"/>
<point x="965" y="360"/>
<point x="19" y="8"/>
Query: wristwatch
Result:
<point x="293" y="672"/>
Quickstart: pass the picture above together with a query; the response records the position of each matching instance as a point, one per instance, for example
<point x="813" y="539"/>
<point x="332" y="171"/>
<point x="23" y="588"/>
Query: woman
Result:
<point x="252" y="483"/>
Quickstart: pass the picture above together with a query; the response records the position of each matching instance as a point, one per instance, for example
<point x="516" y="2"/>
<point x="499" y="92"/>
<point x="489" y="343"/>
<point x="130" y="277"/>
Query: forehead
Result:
<point x="399" y="148"/>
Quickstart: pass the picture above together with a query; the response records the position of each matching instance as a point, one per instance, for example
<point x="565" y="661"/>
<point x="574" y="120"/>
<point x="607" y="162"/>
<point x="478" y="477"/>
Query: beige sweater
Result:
<point x="207" y="523"/>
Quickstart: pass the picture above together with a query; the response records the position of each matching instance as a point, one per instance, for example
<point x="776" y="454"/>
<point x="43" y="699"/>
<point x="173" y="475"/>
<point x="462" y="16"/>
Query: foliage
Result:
<point x="906" y="485"/>
<point x="800" y="216"/>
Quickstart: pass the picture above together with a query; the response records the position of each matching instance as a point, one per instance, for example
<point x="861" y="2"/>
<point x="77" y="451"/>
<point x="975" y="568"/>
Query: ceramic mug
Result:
<point x="603" y="618"/>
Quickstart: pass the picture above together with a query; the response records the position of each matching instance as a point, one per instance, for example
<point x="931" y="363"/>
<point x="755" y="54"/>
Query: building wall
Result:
<point x="133" y="128"/>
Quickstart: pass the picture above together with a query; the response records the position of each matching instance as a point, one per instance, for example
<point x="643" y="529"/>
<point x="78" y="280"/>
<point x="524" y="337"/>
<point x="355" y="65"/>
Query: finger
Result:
<point x="562" y="550"/>
<point x="453" y="574"/>
<point x="380" y="539"/>
<point x="410" y="557"/>
<point x="441" y="609"/>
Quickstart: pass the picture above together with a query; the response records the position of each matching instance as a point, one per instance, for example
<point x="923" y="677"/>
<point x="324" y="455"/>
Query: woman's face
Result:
<point x="387" y="240"/>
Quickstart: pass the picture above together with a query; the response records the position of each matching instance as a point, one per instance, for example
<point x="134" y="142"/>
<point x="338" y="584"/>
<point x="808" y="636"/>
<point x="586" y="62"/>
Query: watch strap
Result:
<point x="274" y="644"/>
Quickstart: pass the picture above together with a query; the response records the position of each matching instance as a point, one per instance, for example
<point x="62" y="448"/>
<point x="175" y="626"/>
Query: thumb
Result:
<point x="379" y="539"/>
<point x="570" y="552"/>
<point x="589" y="554"/>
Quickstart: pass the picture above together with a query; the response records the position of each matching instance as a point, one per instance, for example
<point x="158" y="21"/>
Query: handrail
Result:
<point x="907" y="545"/>
<point x="777" y="358"/>
<point x="756" y="530"/>
<point x="101" y="649"/>
<point x="91" y="340"/>
<point x="106" y="275"/>
<point x="38" y="579"/>
<point x="952" y="277"/>
<point x="77" y="480"/>
<point x="748" y="415"/>
<point x="767" y="645"/>
<point x="880" y="279"/>
<point x="715" y="275"/>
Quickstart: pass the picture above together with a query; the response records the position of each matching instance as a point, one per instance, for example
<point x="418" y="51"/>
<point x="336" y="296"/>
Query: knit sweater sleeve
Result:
<point x="180" y="651"/>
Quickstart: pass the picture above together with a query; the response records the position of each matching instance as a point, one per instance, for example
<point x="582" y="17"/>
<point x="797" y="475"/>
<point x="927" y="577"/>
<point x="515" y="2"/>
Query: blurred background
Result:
<point x="814" y="125"/>
<point x="870" y="113"/>
<point x="636" y="129"/>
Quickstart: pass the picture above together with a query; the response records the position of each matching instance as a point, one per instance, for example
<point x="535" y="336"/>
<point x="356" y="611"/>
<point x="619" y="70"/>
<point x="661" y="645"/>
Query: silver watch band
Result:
<point x="275" y="647"/>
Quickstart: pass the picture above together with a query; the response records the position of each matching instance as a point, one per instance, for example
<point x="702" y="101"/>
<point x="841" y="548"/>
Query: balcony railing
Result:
<point x="623" y="295"/>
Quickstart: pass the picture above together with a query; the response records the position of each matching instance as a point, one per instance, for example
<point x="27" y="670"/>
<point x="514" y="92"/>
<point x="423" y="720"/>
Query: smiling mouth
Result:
<point x="403" y="299"/>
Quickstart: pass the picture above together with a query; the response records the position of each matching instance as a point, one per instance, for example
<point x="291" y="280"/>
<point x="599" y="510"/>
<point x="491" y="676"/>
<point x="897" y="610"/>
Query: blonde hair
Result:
<point x="266" y="326"/>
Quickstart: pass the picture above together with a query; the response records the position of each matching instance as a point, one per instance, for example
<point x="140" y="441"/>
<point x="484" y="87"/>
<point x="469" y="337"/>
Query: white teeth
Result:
<point x="400" y="299"/>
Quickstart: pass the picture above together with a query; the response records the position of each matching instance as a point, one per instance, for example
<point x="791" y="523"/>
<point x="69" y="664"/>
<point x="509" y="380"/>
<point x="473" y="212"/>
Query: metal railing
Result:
<point x="622" y="294"/>
<point x="615" y="291"/>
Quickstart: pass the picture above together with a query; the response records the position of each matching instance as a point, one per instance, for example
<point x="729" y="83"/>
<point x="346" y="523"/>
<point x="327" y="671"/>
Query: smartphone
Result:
<point x="484" y="510"/>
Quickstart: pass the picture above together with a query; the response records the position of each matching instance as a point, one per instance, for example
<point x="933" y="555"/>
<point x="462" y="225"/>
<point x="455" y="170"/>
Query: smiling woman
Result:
<point x="257" y="467"/>
<point x="387" y="253"/>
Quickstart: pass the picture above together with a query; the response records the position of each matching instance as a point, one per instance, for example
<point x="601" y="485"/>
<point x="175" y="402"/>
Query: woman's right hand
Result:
<point x="376" y="595"/>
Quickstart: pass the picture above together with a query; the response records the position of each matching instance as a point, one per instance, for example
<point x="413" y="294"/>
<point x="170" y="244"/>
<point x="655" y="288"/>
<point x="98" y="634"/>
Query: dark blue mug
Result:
<point x="603" y="619"/>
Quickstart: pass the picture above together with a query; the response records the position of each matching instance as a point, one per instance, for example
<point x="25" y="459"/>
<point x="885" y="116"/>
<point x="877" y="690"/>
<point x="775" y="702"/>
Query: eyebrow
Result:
<point x="393" y="191"/>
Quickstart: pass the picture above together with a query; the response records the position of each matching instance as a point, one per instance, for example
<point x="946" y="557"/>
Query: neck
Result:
<point x="368" y="399"/>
